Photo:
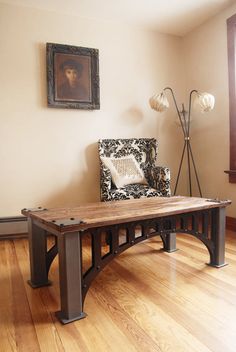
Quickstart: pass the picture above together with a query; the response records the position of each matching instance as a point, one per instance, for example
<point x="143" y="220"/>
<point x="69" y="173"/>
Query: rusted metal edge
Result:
<point x="25" y="211"/>
<point x="216" y="200"/>
<point x="66" y="222"/>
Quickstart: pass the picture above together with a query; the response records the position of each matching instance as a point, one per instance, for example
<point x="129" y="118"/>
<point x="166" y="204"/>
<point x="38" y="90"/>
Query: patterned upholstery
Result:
<point x="145" y="152"/>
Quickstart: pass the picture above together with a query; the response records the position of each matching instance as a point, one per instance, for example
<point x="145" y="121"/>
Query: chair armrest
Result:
<point x="159" y="178"/>
<point x="105" y="182"/>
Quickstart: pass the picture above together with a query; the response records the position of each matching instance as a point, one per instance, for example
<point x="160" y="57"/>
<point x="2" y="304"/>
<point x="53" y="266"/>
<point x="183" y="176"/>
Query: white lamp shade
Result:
<point x="159" y="102"/>
<point x="206" y="101"/>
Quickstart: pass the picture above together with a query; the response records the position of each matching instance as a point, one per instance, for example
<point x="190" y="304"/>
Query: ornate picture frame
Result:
<point x="72" y="77"/>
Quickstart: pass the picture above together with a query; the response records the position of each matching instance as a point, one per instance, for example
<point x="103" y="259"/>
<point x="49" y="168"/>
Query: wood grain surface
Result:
<point x="108" y="213"/>
<point x="144" y="300"/>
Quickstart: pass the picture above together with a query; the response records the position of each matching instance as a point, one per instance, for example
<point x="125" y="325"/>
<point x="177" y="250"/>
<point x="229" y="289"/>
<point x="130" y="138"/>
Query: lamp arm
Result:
<point x="189" y="108"/>
<point x="178" y="112"/>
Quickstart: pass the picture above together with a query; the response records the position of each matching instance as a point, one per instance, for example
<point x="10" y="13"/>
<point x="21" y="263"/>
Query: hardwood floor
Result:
<point x="145" y="300"/>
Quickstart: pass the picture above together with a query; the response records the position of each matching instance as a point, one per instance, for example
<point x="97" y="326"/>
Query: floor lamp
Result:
<point x="206" y="101"/>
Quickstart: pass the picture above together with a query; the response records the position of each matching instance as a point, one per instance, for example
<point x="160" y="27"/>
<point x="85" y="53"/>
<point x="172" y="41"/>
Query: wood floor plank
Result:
<point x="104" y="326"/>
<point x="7" y="329"/>
<point x="147" y="314"/>
<point x="145" y="300"/>
<point x="22" y="318"/>
<point x="179" y="309"/>
<point x="180" y="304"/>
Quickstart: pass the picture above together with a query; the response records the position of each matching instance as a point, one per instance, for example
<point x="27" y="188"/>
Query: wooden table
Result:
<point x="134" y="220"/>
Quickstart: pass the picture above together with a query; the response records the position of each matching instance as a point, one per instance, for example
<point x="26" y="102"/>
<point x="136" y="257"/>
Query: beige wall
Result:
<point x="48" y="156"/>
<point x="205" y="52"/>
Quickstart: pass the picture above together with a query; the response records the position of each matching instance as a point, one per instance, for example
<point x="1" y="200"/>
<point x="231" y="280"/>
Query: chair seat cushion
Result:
<point x="135" y="190"/>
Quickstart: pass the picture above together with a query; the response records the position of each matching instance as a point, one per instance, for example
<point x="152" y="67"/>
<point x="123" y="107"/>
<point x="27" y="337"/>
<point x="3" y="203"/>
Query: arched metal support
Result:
<point x="51" y="254"/>
<point x="202" y="225"/>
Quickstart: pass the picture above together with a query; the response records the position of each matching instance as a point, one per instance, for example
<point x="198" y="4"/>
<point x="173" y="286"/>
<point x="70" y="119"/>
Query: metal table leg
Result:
<point x="70" y="272"/>
<point x="169" y="241"/>
<point x="218" y="238"/>
<point x="38" y="255"/>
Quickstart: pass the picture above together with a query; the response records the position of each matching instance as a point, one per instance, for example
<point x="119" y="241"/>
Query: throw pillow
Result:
<point x="124" y="170"/>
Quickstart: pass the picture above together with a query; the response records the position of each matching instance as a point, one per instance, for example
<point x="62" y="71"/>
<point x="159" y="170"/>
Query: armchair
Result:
<point x="144" y="151"/>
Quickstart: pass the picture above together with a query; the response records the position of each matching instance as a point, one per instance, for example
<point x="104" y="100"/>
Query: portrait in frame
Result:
<point x="72" y="77"/>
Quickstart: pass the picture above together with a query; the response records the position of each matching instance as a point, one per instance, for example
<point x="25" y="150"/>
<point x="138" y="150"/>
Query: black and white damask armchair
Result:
<point x="128" y="169"/>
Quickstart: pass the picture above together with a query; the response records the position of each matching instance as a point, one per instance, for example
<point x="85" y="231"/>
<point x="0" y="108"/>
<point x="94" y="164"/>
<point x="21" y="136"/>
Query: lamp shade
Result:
<point x="206" y="101"/>
<point x="159" y="102"/>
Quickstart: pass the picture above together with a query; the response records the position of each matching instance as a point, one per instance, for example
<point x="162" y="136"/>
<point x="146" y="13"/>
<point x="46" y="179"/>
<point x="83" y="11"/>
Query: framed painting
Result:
<point x="72" y="77"/>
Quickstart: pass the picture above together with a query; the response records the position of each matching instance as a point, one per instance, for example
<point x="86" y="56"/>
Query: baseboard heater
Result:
<point x="13" y="227"/>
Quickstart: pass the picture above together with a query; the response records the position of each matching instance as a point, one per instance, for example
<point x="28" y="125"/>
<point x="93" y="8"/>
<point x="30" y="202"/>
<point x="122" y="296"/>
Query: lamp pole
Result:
<point x="184" y="118"/>
<point x="206" y="101"/>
